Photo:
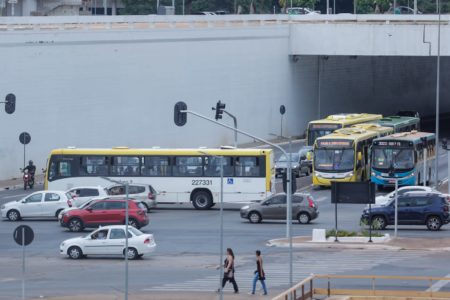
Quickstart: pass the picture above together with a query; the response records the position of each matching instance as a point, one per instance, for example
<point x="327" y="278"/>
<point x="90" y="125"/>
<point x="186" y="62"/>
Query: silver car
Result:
<point x="143" y="193"/>
<point x="304" y="209"/>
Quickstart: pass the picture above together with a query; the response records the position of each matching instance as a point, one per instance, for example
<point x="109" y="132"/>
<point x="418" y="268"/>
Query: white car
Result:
<point x="383" y="199"/>
<point x="42" y="204"/>
<point x="109" y="240"/>
<point x="83" y="194"/>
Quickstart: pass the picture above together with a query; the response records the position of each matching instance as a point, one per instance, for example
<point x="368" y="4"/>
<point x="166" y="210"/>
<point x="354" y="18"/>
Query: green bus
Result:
<point x="399" y="123"/>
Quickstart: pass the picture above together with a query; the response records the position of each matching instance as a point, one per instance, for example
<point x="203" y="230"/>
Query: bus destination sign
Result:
<point x="334" y="143"/>
<point x="392" y="143"/>
<point x="325" y="126"/>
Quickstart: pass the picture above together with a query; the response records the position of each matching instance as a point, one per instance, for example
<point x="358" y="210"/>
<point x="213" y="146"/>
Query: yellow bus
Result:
<point x="179" y="175"/>
<point x="344" y="154"/>
<point x="331" y="123"/>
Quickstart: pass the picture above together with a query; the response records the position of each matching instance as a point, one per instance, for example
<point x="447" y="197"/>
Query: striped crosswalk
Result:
<point x="277" y="272"/>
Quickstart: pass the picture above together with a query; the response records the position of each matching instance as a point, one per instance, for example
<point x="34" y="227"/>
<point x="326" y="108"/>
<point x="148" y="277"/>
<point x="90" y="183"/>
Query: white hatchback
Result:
<point x="42" y="204"/>
<point x="83" y="194"/>
<point x="109" y="240"/>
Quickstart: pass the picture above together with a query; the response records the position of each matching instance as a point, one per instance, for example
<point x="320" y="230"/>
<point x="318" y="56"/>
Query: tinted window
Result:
<point x="34" y="198"/>
<point x="50" y="197"/>
<point x="62" y="166"/>
<point x="247" y="166"/>
<point x="94" y="166"/>
<point x="117" y="234"/>
<point x="125" y="166"/>
<point x="136" y="189"/>
<point x="188" y="166"/>
<point x="297" y="199"/>
<point x="423" y="201"/>
<point x="405" y="202"/>
<point x="277" y="200"/>
<point x="117" y="190"/>
<point x="156" y="166"/>
<point x="212" y="166"/>
<point x="98" y="206"/>
<point x="115" y="205"/>
<point x="88" y="192"/>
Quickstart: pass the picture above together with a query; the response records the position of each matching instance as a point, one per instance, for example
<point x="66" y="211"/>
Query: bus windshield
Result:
<point x="399" y="159"/>
<point x="315" y="132"/>
<point x="339" y="160"/>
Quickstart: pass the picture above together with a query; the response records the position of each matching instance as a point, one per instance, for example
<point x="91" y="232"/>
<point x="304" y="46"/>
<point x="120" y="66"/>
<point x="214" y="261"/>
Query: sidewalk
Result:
<point x="164" y="296"/>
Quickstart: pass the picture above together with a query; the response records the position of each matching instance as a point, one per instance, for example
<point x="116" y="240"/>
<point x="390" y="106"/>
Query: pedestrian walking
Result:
<point x="228" y="273"/>
<point x="259" y="273"/>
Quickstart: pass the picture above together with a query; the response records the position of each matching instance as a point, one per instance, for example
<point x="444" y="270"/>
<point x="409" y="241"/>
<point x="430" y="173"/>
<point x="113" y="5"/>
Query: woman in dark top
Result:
<point x="259" y="273"/>
<point x="228" y="273"/>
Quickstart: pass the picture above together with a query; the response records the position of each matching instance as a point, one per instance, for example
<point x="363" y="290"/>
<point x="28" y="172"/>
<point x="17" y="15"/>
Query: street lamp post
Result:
<point x="438" y="79"/>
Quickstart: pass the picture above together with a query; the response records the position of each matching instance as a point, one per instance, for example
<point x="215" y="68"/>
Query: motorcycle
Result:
<point x="28" y="180"/>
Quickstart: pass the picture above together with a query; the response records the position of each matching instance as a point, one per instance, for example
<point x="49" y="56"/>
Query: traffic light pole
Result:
<point x="235" y="127"/>
<point x="289" y="175"/>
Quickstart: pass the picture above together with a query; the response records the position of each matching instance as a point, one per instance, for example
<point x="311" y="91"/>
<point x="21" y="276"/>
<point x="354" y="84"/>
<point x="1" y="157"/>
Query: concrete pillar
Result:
<point x="28" y="6"/>
<point x="114" y="7"/>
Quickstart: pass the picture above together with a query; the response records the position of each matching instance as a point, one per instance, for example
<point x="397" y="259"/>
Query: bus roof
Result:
<point x="347" y="119"/>
<point x="412" y="136"/>
<point x="393" y="121"/>
<point x="158" y="151"/>
<point x="357" y="132"/>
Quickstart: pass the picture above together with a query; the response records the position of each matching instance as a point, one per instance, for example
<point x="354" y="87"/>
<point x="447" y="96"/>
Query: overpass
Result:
<point x="90" y="81"/>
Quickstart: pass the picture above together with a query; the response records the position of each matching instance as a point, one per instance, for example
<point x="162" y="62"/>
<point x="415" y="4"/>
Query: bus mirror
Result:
<point x="308" y="156"/>
<point x="359" y="156"/>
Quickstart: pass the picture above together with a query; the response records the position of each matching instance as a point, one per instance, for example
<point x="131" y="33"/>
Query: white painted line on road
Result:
<point x="305" y="188"/>
<point x="13" y="196"/>
<point x="438" y="285"/>
<point x="321" y="199"/>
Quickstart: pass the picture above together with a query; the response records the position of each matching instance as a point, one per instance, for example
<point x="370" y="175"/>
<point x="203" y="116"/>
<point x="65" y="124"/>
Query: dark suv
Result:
<point x="105" y="212"/>
<point x="415" y="208"/>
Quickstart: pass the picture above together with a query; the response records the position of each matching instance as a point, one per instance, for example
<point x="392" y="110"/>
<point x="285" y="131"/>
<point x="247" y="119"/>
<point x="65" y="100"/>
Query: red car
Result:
<point x="105" y="212"/>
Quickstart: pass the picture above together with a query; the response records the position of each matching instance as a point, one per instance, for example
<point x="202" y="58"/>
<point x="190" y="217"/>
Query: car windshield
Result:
<point x="334" y="159"/>
<point x="399" y="159"/>
<point x="294" y="157"/>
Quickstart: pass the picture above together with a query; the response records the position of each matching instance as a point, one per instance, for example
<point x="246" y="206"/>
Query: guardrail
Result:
<point x="306" y="289"/>
<point x="193" y="21"/>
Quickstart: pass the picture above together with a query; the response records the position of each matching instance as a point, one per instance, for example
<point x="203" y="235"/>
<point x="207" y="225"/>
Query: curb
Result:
<point x="333" y="245"/>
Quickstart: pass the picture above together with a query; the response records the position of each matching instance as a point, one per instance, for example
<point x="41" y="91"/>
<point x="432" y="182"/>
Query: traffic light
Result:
<point x="180" y="117"/>
<point x="10" y="103"/>
<point x="219" y="110"/>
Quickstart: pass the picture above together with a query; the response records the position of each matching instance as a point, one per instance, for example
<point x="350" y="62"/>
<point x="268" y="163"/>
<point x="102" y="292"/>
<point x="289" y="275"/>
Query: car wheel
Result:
<point x="75" y="252"/>
<point x="202" y="200"/>
<point x="58" y="212"/>
<point x="13" y="215"/>
<point x="254" y="217"/>
<point x="303" y="218"/>
<point x="133" y="222"/>
<point x="379" y="222"/>
<point x="146" y="206"/>
<point x="132" y="253"/>
<point x="75" y="225"/>
<point x="434" y="223"/>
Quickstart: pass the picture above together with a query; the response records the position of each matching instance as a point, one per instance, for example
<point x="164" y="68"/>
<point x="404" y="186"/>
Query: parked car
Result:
<point x="304" y="209"/>
<point x="109" y="240"/>
<point x="299" y="163"/>
<point x="105" y="212"/>
<point x="144" y="193"/>
<point x="83" y="194"/>
<point x="42" y="204"/>
<point x="383" y="199"/>
<point x="413" y="208"/>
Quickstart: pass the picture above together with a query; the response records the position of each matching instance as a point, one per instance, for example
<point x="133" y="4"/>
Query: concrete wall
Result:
<point x="97" y="89"/>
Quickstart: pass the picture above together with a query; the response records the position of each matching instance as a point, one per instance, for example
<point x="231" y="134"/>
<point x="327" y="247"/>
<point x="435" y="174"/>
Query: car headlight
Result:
<point x="245" y="207"/>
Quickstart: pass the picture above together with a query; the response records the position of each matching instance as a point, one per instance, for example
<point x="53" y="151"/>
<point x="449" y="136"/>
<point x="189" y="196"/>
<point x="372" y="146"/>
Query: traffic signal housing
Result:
<point x="180" y="117"/>
<point x="10" y="103"/>
<point x="219" y="110"/>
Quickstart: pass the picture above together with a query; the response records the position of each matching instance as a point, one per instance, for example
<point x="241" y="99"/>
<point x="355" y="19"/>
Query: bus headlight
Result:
<point x="373" y="173"/>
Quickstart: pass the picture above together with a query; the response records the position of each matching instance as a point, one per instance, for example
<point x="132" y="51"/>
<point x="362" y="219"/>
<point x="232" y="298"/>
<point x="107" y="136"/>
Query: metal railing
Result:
<point x="325" y="285"/>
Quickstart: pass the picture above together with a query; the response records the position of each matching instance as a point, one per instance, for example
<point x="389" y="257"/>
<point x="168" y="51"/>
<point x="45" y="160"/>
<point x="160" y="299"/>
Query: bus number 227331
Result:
<point x="201" y="182"/>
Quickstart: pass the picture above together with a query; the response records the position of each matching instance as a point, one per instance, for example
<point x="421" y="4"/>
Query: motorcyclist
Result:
<point x="31" y="168"/>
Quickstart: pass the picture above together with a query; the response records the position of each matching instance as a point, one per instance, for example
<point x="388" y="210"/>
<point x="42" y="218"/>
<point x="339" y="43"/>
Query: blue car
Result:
<point x="415" y="208"/>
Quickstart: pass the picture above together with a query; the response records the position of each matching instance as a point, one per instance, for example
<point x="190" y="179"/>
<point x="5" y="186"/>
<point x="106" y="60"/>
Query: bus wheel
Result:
<point x="202" y="200"/>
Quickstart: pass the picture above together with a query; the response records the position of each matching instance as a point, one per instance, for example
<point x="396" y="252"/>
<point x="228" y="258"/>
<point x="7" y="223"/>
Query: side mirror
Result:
<point x="23" y="201"/>
<point x="303" y="157"/>
<point x="89" y="209"/>
<point x="359" y="156"/>
<point x="309" y="155"/>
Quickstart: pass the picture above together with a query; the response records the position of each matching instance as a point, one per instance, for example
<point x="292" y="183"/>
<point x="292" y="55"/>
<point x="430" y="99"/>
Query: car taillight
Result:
<point x="311" y="203"/>
<point x="69" y="202"/>
<point x="147" y="241"/>
<point x="151" y="196"/>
